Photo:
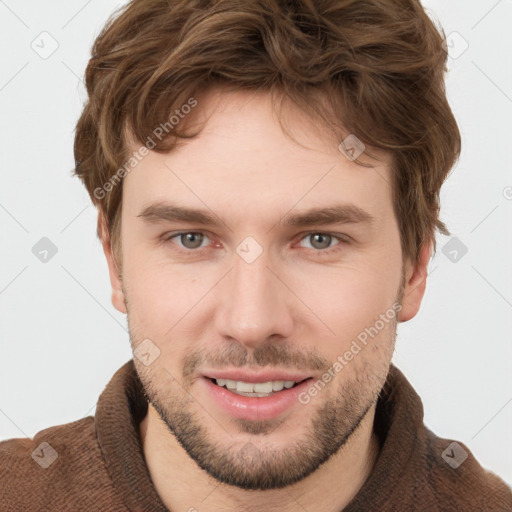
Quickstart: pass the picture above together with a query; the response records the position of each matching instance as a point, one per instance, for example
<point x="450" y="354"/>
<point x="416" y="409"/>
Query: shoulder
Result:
<point x="59" y="469"/>
<point x="457" y="480"/>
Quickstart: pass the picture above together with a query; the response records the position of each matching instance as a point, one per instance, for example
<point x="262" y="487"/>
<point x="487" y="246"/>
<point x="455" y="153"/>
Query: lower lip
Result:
<point x="255" y="408"/>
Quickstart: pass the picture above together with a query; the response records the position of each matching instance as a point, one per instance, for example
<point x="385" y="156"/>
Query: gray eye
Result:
<point x="191" y="240"/>
<point x="320" y="240"/>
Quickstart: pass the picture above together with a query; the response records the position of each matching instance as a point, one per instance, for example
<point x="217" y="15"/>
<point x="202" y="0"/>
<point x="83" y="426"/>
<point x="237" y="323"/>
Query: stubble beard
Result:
<point x="256" y="464"/>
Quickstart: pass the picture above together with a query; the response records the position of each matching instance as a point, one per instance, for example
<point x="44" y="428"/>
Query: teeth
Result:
<point x="263" y="388"/>
<point x="277" y="385"/>
<point x="245" y="387"/>
<point x="230" y="384"/>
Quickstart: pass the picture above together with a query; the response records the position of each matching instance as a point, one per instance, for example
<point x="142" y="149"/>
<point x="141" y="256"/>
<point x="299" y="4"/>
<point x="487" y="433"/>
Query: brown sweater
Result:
<point x="97" y="464"/>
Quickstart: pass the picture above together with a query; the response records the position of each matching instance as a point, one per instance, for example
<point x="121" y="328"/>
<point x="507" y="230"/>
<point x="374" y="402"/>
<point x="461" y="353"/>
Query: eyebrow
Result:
<point x="336" y="214"/>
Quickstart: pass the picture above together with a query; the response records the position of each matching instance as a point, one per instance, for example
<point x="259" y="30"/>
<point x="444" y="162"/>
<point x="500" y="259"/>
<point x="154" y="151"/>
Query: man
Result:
<point x="267" y="178"/>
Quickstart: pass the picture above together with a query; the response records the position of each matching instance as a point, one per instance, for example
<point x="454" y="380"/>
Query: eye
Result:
<point x="321" y="242"/>
<point x="189" y="239"/>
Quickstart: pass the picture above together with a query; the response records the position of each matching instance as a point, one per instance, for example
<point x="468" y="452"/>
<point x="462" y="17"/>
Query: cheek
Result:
<point x="363" y="319"/>
<point x="153" y="292"/>
<point x="349" y="302"/>
<point x="163" y="297"/>
<point x="348" y="298"/>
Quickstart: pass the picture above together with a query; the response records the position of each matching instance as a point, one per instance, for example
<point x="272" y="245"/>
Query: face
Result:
<point x="256" y="292"/>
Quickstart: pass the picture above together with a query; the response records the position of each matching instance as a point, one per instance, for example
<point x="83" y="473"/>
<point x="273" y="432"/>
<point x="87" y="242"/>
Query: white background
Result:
<point x="61" y="340"/>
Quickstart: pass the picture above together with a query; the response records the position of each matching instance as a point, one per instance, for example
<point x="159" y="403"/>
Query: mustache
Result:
<point x="273" y="354"/>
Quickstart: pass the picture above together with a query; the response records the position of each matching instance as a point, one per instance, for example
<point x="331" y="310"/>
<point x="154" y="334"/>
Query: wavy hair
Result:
<point x="366" y="67"/>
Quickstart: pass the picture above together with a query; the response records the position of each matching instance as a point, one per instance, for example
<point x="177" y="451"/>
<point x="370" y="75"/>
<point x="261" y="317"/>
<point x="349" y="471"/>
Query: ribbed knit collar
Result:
<point x="120" y="409"/>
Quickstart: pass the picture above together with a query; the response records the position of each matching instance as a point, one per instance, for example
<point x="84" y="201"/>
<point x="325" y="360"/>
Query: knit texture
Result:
<point x="97" y="464"/>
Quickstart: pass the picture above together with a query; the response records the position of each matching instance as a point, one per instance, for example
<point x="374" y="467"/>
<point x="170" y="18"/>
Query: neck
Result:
<point x="182" y="485"/>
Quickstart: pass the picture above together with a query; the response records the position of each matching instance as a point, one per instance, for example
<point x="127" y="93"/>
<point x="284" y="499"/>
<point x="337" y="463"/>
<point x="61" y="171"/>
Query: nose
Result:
<point x="253" y="303"/>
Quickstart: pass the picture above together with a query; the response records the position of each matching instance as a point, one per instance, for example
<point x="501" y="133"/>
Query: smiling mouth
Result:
<point x="256" y="389"/>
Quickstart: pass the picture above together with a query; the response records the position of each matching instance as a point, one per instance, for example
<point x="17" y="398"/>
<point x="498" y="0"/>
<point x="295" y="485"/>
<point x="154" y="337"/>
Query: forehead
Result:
<point x="243" y="163"/>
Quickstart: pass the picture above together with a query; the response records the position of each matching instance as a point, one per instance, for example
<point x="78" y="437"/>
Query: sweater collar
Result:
<point x="120" y="409"/>
<point x="398" y="423"/>
<point x="399" y="426"/>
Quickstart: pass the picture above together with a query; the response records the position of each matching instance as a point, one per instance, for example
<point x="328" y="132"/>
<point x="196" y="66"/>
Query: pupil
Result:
<point x="189" y="237"/>
<point x="326" y="237"/>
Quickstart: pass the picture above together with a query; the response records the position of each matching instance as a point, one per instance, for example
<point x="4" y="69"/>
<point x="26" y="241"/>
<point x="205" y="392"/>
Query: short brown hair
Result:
<point x="371" y="68"/>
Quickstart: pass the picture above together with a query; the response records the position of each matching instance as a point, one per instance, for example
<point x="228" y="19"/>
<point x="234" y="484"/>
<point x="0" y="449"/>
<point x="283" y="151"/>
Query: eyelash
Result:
<point x="329" y="250"/>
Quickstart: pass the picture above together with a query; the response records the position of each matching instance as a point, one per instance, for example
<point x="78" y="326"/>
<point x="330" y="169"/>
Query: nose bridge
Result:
<point x="252" y="305"/>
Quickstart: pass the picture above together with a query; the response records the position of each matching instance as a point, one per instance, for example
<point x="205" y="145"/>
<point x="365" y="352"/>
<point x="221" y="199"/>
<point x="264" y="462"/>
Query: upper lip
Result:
<point x="255" y="377"/>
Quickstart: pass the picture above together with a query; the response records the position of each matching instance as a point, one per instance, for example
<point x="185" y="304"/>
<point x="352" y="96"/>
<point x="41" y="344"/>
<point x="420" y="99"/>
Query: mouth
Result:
<point x="256" y="389"/>
<point x="267" y="397"/>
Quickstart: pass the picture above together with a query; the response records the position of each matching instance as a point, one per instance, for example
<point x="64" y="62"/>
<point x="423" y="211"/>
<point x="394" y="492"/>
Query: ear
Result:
<point x="116" y="282"/>
<point x="415" y="284"/>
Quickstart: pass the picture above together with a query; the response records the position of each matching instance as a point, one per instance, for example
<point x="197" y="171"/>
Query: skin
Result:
<point x="294" y="307"/>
